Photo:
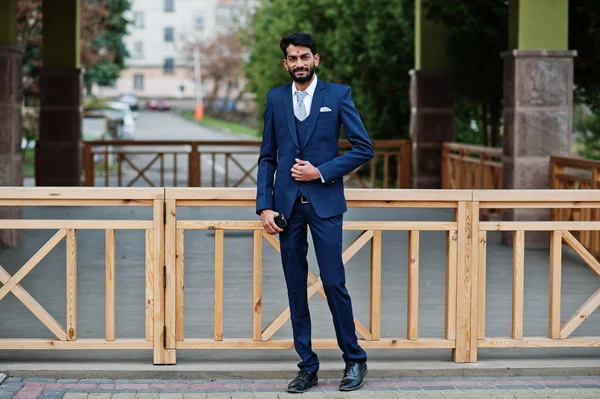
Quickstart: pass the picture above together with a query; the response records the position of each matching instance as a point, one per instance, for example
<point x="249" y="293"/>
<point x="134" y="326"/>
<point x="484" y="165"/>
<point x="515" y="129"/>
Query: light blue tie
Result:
<point x="300" y="110"/>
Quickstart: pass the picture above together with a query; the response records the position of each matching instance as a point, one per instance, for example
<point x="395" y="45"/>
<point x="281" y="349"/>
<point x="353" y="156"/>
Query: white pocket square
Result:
<point x="325" y="109"/>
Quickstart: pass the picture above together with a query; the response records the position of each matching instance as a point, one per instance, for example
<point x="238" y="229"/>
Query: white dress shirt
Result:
<point x="310" y="91"/>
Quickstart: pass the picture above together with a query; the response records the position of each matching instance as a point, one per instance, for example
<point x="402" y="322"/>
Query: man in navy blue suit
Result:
<point x="300" y="177"/>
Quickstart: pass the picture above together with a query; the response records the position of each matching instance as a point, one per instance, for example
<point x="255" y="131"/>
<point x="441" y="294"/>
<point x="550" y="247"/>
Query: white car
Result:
<point x="128" y="117"/>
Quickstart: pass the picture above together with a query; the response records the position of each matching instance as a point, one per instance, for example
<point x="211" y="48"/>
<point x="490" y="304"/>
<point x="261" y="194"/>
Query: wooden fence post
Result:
<point x="467" y="217"/>
<point x="194" y="167"/>
<point x="88" y="165"/>
<point x="171" y="279"/>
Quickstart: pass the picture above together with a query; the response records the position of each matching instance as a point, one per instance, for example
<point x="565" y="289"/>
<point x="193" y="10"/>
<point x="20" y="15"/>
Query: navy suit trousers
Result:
<point x="327" y="239"/>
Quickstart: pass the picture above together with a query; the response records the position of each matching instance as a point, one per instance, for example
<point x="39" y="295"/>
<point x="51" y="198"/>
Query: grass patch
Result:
<point x="28" y="162"/>
<point x="232" y="127"/>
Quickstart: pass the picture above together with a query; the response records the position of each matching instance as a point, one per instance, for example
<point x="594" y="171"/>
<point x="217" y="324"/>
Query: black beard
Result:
<point x="307" y="78"/>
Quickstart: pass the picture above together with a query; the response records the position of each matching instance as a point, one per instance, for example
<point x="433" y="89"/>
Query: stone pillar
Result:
<point x="432" y="122"/>
<point x="11" y="97"/>
<point x="58" y="150"/>
<point x="538" y="101"/>
<point x="432" y="118"/>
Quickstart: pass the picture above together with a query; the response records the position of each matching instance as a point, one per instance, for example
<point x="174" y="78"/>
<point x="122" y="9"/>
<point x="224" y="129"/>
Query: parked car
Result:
<point x="130" y="99"/>
<point x="128" y="118"/>
<point x="120" y="119"/>
<point x="159" y="104"/>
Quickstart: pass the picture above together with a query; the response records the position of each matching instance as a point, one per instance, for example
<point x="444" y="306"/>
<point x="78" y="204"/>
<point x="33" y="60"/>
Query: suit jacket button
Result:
<point x="297" y="151"/>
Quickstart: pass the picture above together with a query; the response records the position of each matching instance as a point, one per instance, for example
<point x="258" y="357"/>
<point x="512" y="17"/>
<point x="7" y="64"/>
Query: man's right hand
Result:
<point x="268" y="220"/>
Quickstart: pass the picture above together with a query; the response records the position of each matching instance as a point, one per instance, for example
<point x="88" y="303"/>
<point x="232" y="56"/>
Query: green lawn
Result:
<point x="28" y="162"/>
<point x="233" y="127"/>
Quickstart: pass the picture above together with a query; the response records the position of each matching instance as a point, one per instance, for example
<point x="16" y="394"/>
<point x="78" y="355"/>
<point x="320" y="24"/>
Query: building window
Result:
<point x="138" y="47"/>
<point x="138" y="82"/>
<point x="199" y="22"/>
<point x="169" y="34"/>
<point x="169" y="65"/>
<point x="138" y="19"/>
<point x="169" y="5"/>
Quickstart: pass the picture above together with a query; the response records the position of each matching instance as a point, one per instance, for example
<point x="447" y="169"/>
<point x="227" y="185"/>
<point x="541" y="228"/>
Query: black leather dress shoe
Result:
<point x="303" y="382"/>
<point x="354" y="376"/>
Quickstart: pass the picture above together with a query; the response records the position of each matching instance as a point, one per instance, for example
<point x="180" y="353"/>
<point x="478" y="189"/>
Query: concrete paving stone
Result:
<point x="478" y="393"/>
<point x="454" y="393"/>
<point x="242" y="395"/>
<point x="589" y="386"/>
<point x="407" y="395"/>
<point x="218" y="396"/>
<point x="101" y="396"/>
<point x="221" y="390"/>
<point x="96" y="381"/>
<point x="273" y="382"/>
<point x="171" y="395"/>
<point x="537" y="386"/>
<point x="438" y="388"/>
<point x="7" y="395"/>
<point x="409" y="388"/>
<point x="431" y="394"/>
<point x="192" y="395"/>
<point x="9" y="379"/>
<point x="10" y="388"/>
<point x="509" y="386"/>
<point x="78" y="395"/>
<point x="124" y="395"/>
<point x="385" y="394"/>
<point x="67" y="381"/>
<point x="245" y="390"/>
<point x="44" y="380"/>
<point x="170" y="390"/>
<point x="314" y="395"/>
<point x="52" y="395"/>
<point x="226" y="382"/>
<point x="582" y="377"/>
<point x="51" y="390"/>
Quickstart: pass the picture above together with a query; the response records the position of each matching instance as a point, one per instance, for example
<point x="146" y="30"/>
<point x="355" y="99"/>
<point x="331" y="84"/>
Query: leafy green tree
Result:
<point x="477" y="34"/>
<point x="366" y="44"/>
<point x="102" y="27"/>
<point x="108" y="44"/>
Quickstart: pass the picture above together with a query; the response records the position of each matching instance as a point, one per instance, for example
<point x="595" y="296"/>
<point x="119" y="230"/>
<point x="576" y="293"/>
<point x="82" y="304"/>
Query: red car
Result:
<point x="159" y="105"/>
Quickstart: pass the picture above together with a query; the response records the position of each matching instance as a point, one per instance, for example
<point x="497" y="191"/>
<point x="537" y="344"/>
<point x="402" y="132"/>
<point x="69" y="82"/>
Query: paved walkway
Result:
<point x="472" y="387"/>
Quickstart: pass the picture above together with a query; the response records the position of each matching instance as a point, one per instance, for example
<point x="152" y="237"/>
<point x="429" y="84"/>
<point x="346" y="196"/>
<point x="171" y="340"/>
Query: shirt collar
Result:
<point x="310" y="90"/>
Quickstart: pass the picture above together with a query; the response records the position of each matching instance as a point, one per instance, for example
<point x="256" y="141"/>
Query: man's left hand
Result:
<point x="305" y="171"/>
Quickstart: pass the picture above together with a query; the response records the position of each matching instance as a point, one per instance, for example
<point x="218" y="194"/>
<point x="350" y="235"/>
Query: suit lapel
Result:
<point x="289" y="113"/>
<point x="315" y="109"/>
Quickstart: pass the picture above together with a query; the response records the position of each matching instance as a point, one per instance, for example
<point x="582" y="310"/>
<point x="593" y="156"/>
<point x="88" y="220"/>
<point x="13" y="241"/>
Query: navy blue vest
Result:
<point x="301" y="128"/>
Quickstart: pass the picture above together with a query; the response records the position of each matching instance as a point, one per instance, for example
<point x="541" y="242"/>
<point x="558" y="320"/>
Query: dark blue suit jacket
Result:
<point x="276" y="188"/>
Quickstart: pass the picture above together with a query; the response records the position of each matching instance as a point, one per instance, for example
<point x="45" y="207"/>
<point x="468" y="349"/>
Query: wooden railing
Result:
<point x="166" y="265"/>
<point x="370" y="232"/>
<point x="227" y="163"/>
<point x="580" y="174"/>
<point x="68" y="229"/>
<point x="471" y="167"/>
<point x="559" y="232"/>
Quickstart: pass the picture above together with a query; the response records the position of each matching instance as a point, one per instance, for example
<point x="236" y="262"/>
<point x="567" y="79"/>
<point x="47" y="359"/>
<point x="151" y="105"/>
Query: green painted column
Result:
<point x="538" y="100"/>
<point x="61" y="33"/>
<point x="539" y="24"/>
<point x="430" y="52"/>
<point x="432" y="119"/>
<point x="58" y="150"/>
<point x="8" y="22"/>
<point x="11" y="97"/>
